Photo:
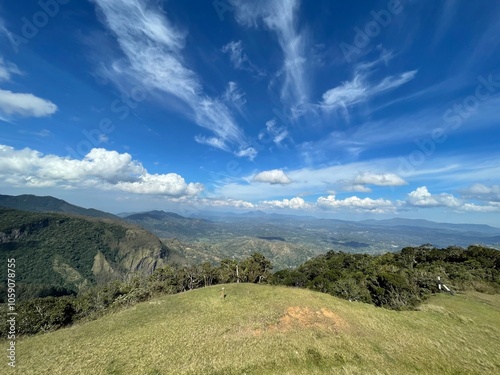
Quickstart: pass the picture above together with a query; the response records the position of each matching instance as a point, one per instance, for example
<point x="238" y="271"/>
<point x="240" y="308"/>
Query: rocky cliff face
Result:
<point x="141" y="251"/>
<point x="74" y="251"/>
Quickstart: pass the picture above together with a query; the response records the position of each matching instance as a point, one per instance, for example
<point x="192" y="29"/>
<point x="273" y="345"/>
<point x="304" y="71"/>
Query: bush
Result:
<point x="44" y="314"/>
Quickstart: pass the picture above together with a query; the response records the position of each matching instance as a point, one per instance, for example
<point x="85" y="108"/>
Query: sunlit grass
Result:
<point x="274" y="330"/>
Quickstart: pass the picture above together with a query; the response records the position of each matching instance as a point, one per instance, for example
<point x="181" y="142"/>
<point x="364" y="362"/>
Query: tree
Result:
<point x="165" y="280"/>
<point x="208" y="273"/>
<point x="256" y="269"/>
<point x="228" y="271"/>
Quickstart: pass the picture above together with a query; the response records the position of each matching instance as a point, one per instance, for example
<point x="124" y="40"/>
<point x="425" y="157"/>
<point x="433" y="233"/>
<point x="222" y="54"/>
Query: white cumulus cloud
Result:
<point x="361" y="204"/>
<point x="296" y="203"/>
<point x="235" y="203"/>
<point x="421" y="197"/>
<point x="357" y="188"/>
<point x="100" y="168"/>
<point x="25" y="105"/>
<point x="162" y="184"/>
<point x="275" y="176"/>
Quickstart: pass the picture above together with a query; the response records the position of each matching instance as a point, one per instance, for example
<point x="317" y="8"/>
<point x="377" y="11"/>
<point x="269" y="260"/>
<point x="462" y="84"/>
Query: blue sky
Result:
<point x="366" y="109"/>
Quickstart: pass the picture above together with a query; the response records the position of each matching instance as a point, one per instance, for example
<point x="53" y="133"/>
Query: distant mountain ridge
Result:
<point x="155" y="214"/>
<point x="171" y="225"/>
<point x="34" y="203"/>
<point x="422" y="223"/>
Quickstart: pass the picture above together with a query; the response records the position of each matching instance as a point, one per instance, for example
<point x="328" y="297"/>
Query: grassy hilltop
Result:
<point x="260" y="329"/>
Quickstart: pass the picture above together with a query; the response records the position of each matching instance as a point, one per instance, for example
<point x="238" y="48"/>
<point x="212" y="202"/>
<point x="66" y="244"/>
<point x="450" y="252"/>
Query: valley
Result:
<point x="290" y="240"/>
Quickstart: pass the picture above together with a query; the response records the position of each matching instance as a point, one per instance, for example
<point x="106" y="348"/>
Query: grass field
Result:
<point x="261" y="329"/>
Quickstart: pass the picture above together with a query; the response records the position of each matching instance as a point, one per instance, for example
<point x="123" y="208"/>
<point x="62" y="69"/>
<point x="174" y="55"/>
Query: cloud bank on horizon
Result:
<point x="386" y="108"/>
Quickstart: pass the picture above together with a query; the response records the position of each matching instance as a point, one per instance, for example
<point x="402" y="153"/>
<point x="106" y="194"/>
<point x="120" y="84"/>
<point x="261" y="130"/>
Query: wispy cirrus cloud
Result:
<point x="234" y="96"/>
<point x="7" y="69"/>
<point x="236" y="54"/>
<point x="153" y="47"/>
<point x="280" y="16"/>
<point x="276" y="132"/>
<point x="239" y="58"/>
<point x="359" y="89"/>
<point x="248" y="152"/>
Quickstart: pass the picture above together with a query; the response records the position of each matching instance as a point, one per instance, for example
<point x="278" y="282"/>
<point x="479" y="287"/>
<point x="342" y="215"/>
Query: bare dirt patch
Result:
<point x="307" y="317"/>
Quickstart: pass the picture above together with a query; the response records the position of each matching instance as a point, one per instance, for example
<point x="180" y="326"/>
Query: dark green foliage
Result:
<point x="55" y="253"/>
<point x="397" y="280"/>
<point x="228" y="271"/>
<point x="42" y="315"/>
<point x="255" y="269"/>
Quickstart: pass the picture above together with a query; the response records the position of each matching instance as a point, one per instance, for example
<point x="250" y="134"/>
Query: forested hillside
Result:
<point x="61" y="254"/>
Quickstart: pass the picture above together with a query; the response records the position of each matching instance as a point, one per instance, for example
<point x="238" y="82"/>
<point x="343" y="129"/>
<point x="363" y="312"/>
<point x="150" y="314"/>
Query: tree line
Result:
<point x="396" y="281"/>
<point x="400" y="280"/>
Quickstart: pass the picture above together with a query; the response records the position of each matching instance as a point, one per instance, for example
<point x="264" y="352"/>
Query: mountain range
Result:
<point x="288" y="239"/>
<point x="60" y="245"/>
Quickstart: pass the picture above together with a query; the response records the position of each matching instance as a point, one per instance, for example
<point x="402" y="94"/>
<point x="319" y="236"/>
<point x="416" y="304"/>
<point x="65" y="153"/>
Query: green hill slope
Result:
<point x="260" y="329"/>
<point x="64" y="251"/>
